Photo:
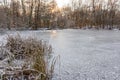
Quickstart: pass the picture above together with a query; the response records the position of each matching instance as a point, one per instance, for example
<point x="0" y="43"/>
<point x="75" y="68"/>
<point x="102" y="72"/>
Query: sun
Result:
<point x="62" y="3"/>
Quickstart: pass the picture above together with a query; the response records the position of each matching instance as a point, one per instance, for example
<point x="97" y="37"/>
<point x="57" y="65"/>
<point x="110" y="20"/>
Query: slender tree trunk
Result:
<point x="30" y="15"/>
<point x="23" y="10"/>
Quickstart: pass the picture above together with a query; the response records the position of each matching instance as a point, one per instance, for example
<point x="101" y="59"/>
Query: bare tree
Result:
<point x="7" y="13"/>
<point x="23" y="9"/>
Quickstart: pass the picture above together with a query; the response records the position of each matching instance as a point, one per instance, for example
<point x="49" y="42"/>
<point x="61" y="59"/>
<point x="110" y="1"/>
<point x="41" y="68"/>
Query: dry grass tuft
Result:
<point x="35" y="52"/>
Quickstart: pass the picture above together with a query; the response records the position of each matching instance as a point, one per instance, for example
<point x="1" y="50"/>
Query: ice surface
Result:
<point x="84" y="54"/>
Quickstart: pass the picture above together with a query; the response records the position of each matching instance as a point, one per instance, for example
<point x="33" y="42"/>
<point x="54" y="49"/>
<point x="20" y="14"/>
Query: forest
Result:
<point x="35" y="14"/>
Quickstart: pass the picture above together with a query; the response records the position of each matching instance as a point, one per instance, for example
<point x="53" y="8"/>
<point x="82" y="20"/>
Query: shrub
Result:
<point x="35" y="52"/>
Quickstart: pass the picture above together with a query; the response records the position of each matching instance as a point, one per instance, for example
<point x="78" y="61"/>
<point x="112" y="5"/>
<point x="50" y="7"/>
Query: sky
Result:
<point x="62" y="3"/>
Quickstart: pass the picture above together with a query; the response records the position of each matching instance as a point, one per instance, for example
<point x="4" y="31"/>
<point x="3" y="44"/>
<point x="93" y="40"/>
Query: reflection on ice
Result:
<point x="54" y="31"/>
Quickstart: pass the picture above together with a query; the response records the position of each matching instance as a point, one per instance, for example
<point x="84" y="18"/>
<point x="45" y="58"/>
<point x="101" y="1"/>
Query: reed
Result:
<point x="36" y="53"/>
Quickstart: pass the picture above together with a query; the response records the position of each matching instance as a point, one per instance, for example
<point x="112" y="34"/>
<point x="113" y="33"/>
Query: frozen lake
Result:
<point x="84" y="54"/>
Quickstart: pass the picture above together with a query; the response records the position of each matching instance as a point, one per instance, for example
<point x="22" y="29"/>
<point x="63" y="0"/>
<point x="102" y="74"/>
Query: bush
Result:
<point x="35" y="52"/>
<point x="27" y="47"/>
